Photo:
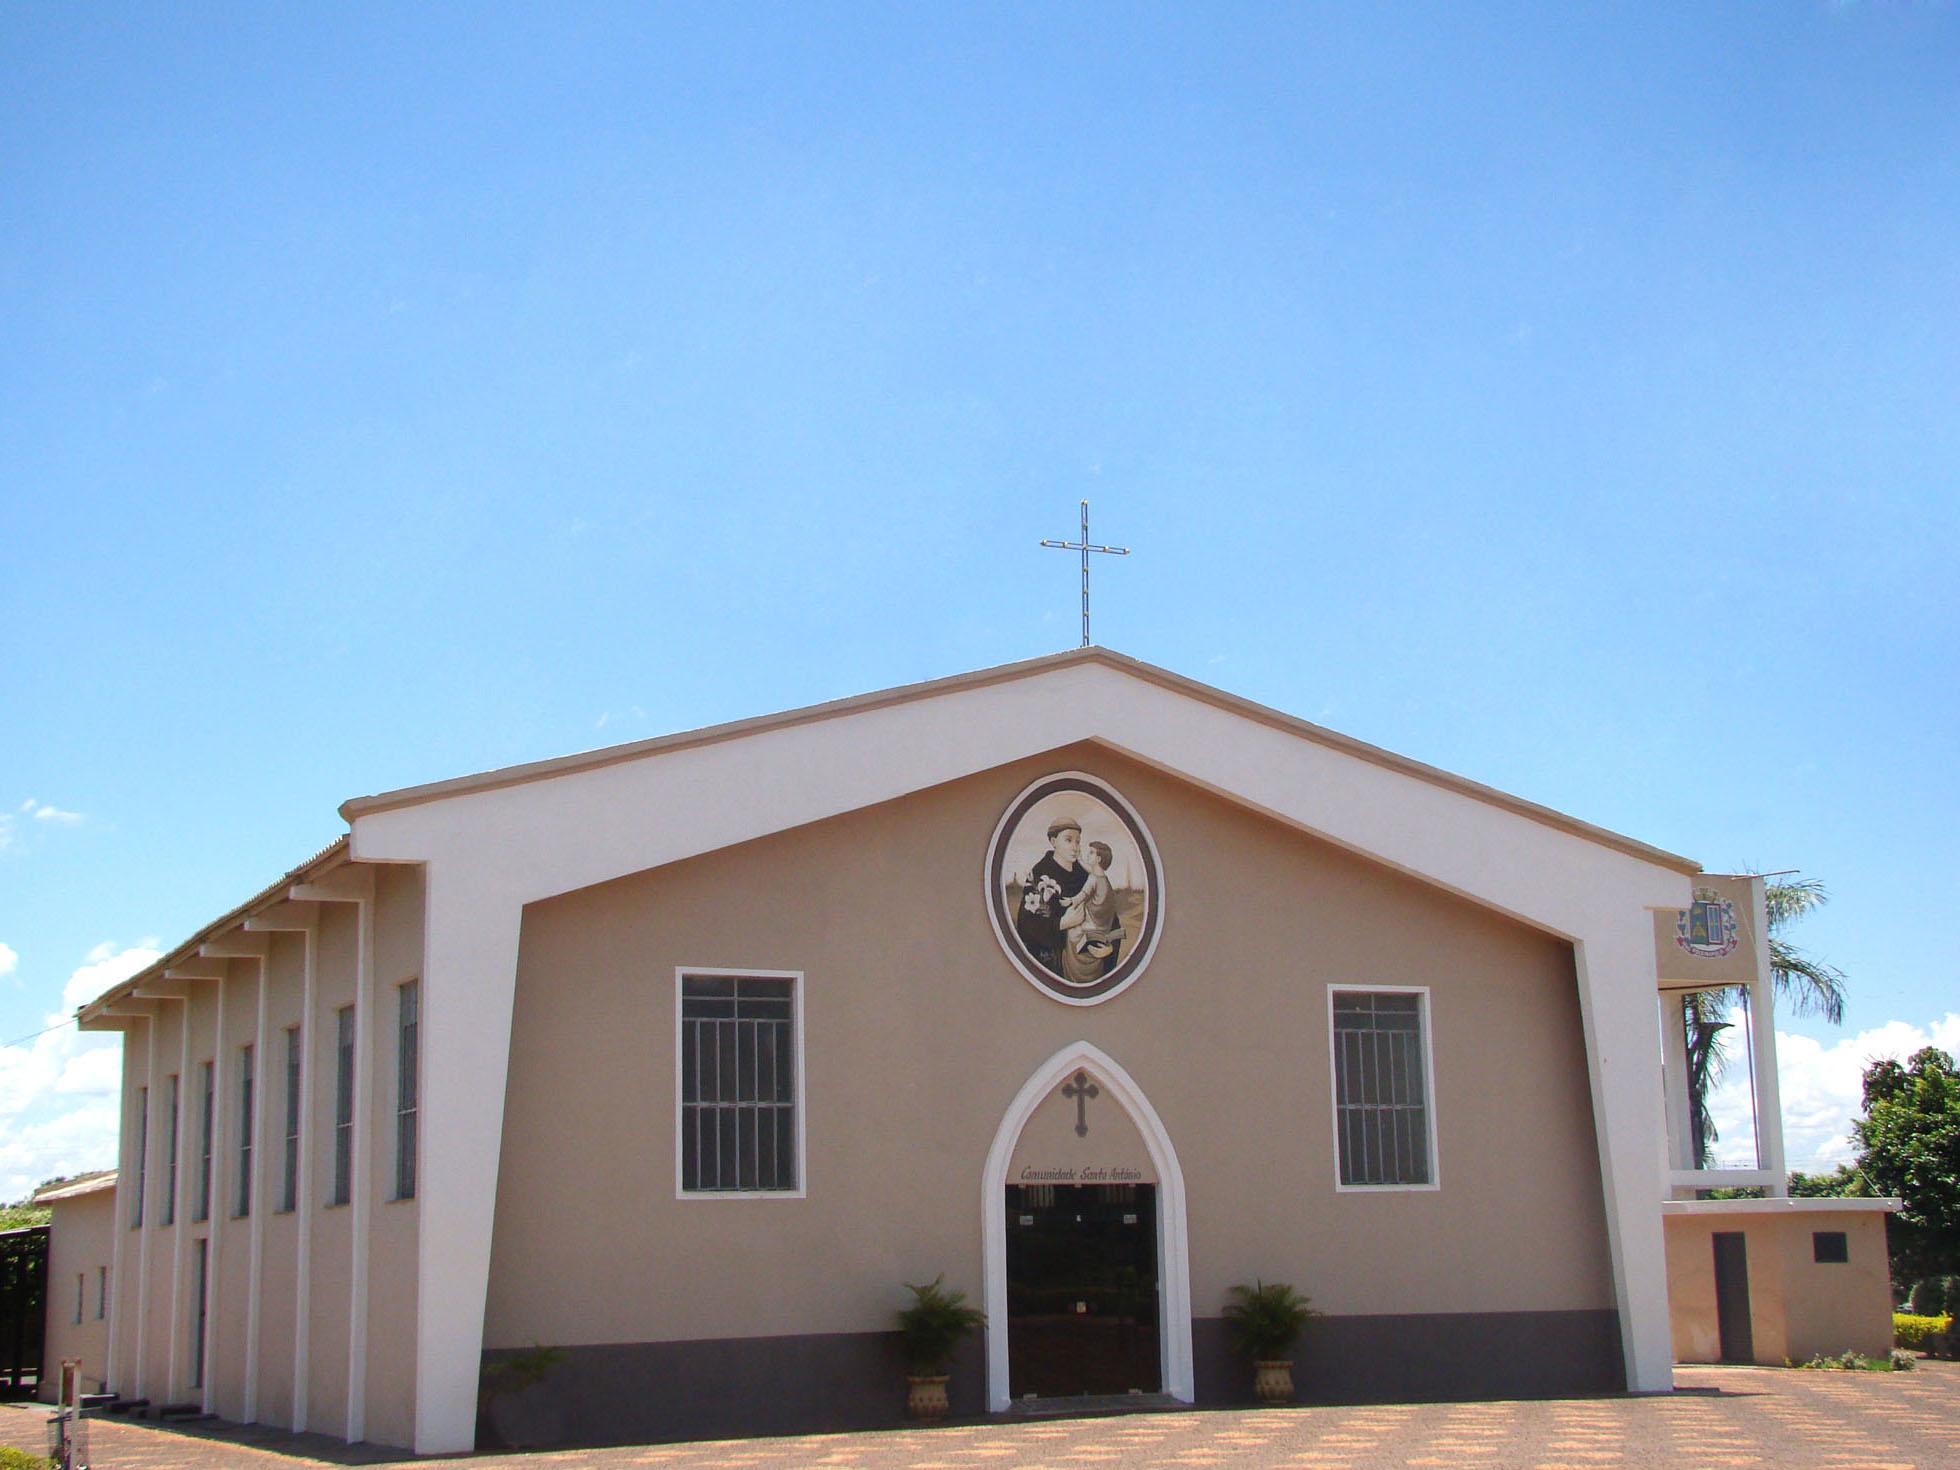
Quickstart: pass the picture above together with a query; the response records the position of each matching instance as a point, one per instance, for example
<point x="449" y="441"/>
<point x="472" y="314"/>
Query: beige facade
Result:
<point x="282" y="1287"/>
<point x="1799" y="1305"/>
<point x="910" y="1005"/>
<point x="81" y="1253"/>
<point x="546" y="918"/>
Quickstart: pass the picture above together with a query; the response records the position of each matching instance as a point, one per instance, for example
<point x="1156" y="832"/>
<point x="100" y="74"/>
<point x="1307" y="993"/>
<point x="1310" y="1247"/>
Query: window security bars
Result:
<point x="1381" y="1094"/>
<point x="289" y="1184"/>
<point x="199" y="1322"/>
<point x="343" y="1108"/>
<point x="244" y="1131"/>
<point x="209" y="1074"/>
<point x="170" y="1174"/>
<point x="142" y="1150"/>
<point x="738" y="1084"/>
<point x="407" y="1058"/>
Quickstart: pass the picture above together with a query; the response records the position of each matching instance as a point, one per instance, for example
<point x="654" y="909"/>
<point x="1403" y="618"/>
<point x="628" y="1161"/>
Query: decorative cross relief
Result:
<point x="1081" y="1089"/>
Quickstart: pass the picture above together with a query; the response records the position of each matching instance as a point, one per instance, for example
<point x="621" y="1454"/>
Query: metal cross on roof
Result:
<point x="1085" y="547"/>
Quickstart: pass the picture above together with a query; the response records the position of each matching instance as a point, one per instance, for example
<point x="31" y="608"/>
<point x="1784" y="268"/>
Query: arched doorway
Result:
<point x="1094" y="1084"/>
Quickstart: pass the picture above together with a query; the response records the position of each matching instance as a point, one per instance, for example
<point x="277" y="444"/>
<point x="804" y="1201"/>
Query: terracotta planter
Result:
<point x="927" y="1399"/>
<point x="1273" y="1381"/>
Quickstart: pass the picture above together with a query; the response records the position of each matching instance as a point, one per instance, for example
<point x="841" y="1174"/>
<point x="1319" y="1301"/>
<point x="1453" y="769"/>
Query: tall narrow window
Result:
<point x="81" y="1294"/>
<point x="142" y="1149"/>
<point x="206" y="1118"/>
<point x="202" y="1285"/>
<point x="738" y="1085"/>
<point x="343" y="1107"/>
<point x="170" y="1152"/>
<point x="244" y="1131"/>
<point x="101" y="1292"/>
<point x="407" y="1059"/>
<point x="289" y="1188"/>
<point x="1381" y="1088"/>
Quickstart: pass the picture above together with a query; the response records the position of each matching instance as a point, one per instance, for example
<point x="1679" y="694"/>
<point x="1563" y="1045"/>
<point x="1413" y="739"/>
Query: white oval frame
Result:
<point x="1010" y="944"/>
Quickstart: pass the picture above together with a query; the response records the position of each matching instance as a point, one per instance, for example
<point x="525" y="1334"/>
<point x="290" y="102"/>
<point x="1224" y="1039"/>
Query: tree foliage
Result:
<point x="1909" y="1146"/>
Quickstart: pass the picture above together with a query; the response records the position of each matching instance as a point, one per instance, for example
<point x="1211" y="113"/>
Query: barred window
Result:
<point x="407" y="1060"/>
<point x="170" y="1174"/>
<point x="289" y="1191"/>
<point x="206" y="1122"/>
<point x="343" y="1107"/>
<point x="244" y="1131"/>
<point x="142" y="1151"/>
<point x="738" y="1085"/>
<point x="1381" y="1092"/>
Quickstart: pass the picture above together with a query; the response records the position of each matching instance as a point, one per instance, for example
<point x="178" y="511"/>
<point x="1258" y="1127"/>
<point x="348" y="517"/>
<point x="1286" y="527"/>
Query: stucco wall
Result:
<point x="393" y="1224"/>
<point x="80" y="1244"/>
<point x="165" y="1306"/>
<point x="1798" y="1307"/>
<point x="919" y="1032"/>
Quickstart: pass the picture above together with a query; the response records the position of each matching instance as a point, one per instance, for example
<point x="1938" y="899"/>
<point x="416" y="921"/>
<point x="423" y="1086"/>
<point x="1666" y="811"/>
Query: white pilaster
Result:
<point x="1762" y="1047"/>
<point x="252" y="947"/>
<point x="355" y="884"/>
<point x="302" y="919"/>
<point x="469" y="978"/>
<point x="1680" y="1120"/>
<point x="1617" y="983"/>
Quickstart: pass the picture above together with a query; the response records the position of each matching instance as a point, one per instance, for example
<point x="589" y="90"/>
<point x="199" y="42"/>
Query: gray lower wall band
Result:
<point x="622" y="1393"/>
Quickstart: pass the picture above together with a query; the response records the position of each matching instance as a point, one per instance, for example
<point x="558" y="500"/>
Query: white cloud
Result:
<point x="46" y="813"/>
<point x="58" y="1090"/>
<point x="9" y="959"/>
<point x="69" y="1142"/>
<point x="1822" y="1090"/>
<point x="103" y="967"/>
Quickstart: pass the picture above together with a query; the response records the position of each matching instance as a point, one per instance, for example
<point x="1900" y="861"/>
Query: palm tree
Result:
<point x="1812" y="987"/>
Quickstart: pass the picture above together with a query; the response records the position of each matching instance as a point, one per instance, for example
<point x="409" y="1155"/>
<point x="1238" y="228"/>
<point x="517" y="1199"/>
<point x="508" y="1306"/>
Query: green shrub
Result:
<point x="1911" y="1331"/>
<point x="1266" y="1318"/>
<point x="13" y="1459"/>
<point x="933" y="1325"/>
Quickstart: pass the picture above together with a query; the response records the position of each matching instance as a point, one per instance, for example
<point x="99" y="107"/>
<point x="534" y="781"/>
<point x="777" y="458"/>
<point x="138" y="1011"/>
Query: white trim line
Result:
<point x="256" y="1200"/>
<point x="304" y="1204"/>
<point x="363" y="1182"/>
<point x="1781" y="1204"/>
<point x="1429" y="1089"/>
<point x="1103" y="791"/>
<point x="1173" y="1249"/>
<point x="681" y="972"/>
<point x="142" y="1376"/>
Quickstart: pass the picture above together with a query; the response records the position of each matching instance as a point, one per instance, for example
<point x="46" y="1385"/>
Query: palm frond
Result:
<point x="1811" y="986"/>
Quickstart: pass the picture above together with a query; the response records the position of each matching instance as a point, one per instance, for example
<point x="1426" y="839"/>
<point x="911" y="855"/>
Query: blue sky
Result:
<point x="1561" y="395"/>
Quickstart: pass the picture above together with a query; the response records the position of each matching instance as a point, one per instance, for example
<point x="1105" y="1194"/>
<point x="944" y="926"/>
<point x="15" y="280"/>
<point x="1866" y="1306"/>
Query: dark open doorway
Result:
<point x="1082" y="1290"/>
<point x="1732" y="1297"/>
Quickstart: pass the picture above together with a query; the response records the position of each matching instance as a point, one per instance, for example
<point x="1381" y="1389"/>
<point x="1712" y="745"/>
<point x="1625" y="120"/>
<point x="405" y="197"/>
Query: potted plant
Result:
<point x="1266" y="1319"/>
<point x="929" y="1329"/>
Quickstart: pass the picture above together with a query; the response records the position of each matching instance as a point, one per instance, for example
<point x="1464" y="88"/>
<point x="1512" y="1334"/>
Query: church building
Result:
<point x="1090" y="988"/>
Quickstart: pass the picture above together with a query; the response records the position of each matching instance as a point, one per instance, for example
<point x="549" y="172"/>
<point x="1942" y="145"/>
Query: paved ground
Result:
<point x="1780" y="1419"/>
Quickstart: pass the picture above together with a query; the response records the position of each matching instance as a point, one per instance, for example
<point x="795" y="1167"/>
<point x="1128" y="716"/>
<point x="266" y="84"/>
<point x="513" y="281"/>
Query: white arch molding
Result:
<point x="1173" y="1252"/>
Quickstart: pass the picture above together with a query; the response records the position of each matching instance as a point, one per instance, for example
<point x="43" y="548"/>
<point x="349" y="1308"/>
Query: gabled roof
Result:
<point x="529" y="771"/>
<point x="75" y="1188"/>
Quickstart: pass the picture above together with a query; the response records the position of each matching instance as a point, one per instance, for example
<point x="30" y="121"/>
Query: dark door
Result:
<point x="1732" y="1297"/>
<point x="1081" y="1289"/>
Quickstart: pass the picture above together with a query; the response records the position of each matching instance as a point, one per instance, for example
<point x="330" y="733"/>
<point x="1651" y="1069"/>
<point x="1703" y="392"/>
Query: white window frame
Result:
<point x="795" y="977"/>
<point x="1432" y="1101"/>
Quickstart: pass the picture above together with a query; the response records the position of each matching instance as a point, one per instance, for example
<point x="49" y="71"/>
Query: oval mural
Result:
<point x="1074" y="888"/>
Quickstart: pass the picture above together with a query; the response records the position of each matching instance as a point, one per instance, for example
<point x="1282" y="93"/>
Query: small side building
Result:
<point x="81" y="1246"/>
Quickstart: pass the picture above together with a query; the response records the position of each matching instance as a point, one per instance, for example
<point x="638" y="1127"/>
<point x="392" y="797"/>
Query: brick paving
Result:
<point x="1779" y="1419"/>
